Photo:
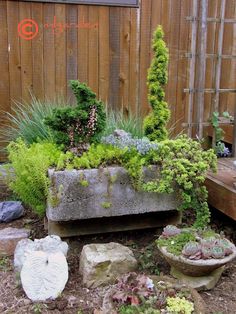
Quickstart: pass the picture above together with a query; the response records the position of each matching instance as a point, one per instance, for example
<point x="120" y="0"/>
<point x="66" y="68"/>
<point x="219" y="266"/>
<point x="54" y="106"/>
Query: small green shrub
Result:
<point x="30" y="164"/>
<point x="155" y="123"/>
<point x="84" y="123"/>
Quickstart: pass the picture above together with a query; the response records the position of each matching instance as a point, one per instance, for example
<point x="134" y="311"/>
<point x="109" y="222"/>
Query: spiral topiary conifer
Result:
<point x="155" y="123"/>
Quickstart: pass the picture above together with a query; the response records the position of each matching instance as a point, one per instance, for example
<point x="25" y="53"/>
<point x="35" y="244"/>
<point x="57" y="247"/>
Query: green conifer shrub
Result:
<point x="82" y="124"/>
<point x="155" y="123"/>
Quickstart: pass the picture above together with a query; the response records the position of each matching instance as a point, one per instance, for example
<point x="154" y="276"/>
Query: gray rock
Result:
<point x="50" y="244"/>
<point x="10" y="211"/>
<point x="44" y="275"/>
<point x="9" y="238"/>
<point x="102" y="264"/>
<point x="200" y="283"/>
<point x="120" y="133"/>
<point x="108" y="192"/>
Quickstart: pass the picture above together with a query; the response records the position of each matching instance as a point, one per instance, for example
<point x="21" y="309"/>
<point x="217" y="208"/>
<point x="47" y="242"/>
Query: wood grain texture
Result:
<point x="83" y="44"/>
<point x="14" y="51"/>
<point x="61" y="53"/>
<point x="103" y="42"/>
<point x="49" y="51"/>
<point x="71" y="47"/>
<point x="26" y="56"/>
<point x="93" y="48"/>
<point x="114" y="38"/>
<point x="37" y="52"/>
<point x="4" y="80"/>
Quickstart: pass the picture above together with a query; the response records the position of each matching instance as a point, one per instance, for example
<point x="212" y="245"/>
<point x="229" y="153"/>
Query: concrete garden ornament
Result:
<point x="44" y="275"/>
<point x="43" y="267"/>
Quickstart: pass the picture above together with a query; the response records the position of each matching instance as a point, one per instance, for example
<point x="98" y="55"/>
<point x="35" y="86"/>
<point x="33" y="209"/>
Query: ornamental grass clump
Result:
<point x="155" y="123"/>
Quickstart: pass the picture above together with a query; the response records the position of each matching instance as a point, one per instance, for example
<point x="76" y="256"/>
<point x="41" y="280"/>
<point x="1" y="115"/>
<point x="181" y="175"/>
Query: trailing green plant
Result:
<point x="184" y="165"/>
<point x="30" y="163"/>
<point x="117" y="120"/>
<point x="220" y="149"/>
<point x="75" y="127"/>
<point x="155" y="123"/>
<point x="26" y="120"/>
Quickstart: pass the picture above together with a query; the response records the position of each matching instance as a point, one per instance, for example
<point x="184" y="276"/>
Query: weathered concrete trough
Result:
<point x="103" y="200"/>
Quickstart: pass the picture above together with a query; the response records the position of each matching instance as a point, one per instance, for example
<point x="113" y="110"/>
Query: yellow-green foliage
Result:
<point x="155" y="123"/>
<point x="178" y="305"/>
<point x="30" y="182"/>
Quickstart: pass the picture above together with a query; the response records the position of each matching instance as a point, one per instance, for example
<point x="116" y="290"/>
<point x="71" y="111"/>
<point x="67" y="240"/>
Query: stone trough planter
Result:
<point x="103" y="200"/>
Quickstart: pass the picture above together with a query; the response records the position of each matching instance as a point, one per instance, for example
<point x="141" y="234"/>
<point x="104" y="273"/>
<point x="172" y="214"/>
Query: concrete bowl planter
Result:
<point x="103" y="200"/>
<point x="108" y="306"/>
<point x="195" y="268"/>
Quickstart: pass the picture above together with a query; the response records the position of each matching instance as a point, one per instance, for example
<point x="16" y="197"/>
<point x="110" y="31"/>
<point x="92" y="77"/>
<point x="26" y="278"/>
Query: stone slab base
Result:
<point x="112" y="224"/>
<point x="199" y="283"/>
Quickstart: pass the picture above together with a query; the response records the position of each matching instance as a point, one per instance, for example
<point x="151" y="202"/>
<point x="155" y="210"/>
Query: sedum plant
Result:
<point x="76" y="127"/>
<point x="155" y="123"/>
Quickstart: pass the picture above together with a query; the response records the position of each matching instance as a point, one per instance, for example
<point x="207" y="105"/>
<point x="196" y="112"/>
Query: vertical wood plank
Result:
<point x="103" y="29"/>
<point x="124" y="59"/>
<point x="14" y="51"/>
<point x="192" y="65"/>
<point x="49" y="52"/>
<point x="228" y="66"/>
<point x="182" y="71"/>
<point x="174" y="55"/>
<point x="114" y="39"/>
<point x="37" y="52"/>
<point x="71" y="51"/>
<point x="145" y="42"/>
<point x="93" y="48"/>
<point x="26" y="56"/>
<point x="202" y="71"/>
<point x="134" y="61"/>
<point x="60" y="53"/>
<point x="219" y="51"/>
<point x="4" y="80"/>
<point x="212" y="32"/>
<point x="83" y="44"/>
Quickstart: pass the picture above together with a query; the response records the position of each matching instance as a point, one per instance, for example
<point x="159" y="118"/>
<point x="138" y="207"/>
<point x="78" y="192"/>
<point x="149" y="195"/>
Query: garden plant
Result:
<point x="78" y="140"/>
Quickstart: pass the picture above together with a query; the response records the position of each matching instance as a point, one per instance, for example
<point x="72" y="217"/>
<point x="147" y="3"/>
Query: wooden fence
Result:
<point x="110" y="49"/>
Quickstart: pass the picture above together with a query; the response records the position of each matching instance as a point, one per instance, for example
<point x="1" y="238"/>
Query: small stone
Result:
<point x="9" y="237"/>
<point x="102" y="264"/>
<point x="199" y="283"/>
<point x="10" y="211"/>
<point x="48" y="244"/>
<point x="44" y="275"/>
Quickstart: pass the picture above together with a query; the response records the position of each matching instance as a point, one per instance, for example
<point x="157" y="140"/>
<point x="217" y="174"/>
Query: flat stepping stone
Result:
<point x="9" y="237"/>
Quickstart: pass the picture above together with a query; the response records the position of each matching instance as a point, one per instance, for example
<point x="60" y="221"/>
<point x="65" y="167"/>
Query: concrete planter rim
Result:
<point x="195" y="268"/>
